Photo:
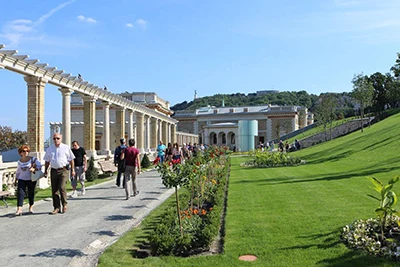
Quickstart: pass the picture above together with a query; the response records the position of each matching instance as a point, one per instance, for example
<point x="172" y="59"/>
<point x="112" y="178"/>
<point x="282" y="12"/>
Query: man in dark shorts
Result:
<point x="80" y="168"/>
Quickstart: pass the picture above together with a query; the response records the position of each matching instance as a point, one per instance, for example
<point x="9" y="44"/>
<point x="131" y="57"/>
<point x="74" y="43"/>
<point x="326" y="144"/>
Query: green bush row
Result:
<point x="272" y="159"/>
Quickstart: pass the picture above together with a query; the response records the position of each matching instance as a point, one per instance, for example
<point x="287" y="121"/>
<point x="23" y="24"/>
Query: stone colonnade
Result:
<point x="146" y="128"/>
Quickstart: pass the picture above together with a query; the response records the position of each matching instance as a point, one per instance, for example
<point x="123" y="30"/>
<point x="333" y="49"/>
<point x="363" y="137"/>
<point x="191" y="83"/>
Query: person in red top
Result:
<point x="132" y="161"/>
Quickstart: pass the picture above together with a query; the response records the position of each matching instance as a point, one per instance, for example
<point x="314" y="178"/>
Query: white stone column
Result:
<point x="164" y="137"/>
<point x="106" y="129"/>
<point x="135" y="126"/>
<point x="159" y="134"/>
<point x="154" y="133"/>
<point x="173" y="133"/>
<point x="147" y="133"/>
<point x="140" y="131"/>
<point x="66" y="114"/>
<point x="131" y="133"/>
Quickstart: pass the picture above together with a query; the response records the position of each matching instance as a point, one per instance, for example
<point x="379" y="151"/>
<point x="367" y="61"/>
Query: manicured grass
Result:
<point x="292" y="216"/>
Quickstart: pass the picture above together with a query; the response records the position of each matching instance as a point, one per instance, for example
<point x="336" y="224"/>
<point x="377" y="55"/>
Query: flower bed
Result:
<point x="194" y="223"/>
<point x="381" y="236"/>
<point x="263" y="159"/>
<point x="365" y="235"/>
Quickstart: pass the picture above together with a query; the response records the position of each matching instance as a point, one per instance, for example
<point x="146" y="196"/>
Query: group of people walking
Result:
<point x="63" y="162"/>
<point x="270" y="146"/>
<point x="177" y="152"/>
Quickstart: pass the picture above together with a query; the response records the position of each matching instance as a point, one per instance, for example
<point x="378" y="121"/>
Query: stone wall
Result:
<point x="345" y="128"/>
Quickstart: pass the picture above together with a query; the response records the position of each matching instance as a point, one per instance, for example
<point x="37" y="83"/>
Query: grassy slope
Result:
<point x="292" y="216"/>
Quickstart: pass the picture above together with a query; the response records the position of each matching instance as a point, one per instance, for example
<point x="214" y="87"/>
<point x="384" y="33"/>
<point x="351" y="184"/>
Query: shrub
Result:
<point x="271" y="159"/>
<point x="92" y="172"/>
<point x="145" y="161"/>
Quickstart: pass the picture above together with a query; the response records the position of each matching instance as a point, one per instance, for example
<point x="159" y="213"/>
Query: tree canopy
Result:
<point x="10" y="139"/>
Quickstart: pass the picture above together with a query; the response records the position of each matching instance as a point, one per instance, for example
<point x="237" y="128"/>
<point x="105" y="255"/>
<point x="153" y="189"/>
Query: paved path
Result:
<point x="78" y="237"/>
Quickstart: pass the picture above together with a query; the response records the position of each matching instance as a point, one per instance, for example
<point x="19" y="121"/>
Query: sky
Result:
<point x="177" y="47"/>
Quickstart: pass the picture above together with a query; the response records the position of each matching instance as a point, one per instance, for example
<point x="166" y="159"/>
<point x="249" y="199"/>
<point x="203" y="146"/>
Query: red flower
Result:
<point x="156" y="161"/>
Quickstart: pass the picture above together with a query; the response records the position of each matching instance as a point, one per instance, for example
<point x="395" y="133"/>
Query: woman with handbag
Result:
<point x="26" y="166"/>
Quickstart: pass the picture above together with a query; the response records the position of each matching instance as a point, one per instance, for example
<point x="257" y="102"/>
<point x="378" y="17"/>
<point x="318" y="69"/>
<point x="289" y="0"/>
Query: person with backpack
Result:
<point x="131" y="155"/>
<point x="118" y="162"/>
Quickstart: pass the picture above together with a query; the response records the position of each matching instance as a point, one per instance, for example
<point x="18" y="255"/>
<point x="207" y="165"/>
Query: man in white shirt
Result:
<point x="61" y="159"/>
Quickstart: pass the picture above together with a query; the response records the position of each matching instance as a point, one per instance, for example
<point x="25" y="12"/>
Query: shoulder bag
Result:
<point x="37" y="174"/>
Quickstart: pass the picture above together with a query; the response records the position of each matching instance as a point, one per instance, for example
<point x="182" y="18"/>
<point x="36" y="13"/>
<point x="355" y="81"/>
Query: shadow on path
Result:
<point x="53" y="253"/>
<point x="118" y="217"/>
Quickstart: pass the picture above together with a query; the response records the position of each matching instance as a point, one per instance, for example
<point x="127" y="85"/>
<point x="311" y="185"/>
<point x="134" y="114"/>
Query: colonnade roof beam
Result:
<point x="22" y="65"/>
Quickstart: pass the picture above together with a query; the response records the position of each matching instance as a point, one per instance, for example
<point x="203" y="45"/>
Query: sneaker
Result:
<point x="136" y="193"/>
<point x="74" y="194"/>
<point x="83" y="191"/>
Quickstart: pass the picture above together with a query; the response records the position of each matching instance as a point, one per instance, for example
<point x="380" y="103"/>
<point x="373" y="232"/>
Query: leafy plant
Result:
<point x="387" y="200"/>
<point x="173" y="175"/>
<point x="145" y="161"/>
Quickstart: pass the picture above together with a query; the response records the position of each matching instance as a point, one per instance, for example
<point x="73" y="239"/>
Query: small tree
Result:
<point x="325" y="111"/>
<point x="145" y="161"/>
<point x="363" y="93"/>
<point x="92" y="172"/>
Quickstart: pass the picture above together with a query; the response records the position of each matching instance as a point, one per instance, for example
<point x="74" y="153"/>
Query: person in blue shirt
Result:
<point x="118" y="161"/>
<point x="161" y="151"/>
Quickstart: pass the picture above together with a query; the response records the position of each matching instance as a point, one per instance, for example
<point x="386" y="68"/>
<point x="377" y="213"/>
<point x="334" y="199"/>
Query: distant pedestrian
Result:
<point x="272" y="146"/>
<point x="185" y="152"/>
<point x="297" y="144"/>
<point x="161" y="151"/>
<point x="280" y="146"/>
<point x="61" y="159"/>
<point x="131" y="155"/>
<point x="26" y="166"/>
<point x="176" y="152"/>
<point x="80" y="168"/>
<point x="118" y="162"/>
<point x="168" y="152"/>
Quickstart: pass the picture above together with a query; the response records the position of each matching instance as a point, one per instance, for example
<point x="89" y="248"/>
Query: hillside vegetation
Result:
<point x="301" y="98"/>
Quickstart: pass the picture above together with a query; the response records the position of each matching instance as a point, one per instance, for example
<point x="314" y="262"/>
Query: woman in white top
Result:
<point x="176" y="152"/>
<point x="26" y="165"/>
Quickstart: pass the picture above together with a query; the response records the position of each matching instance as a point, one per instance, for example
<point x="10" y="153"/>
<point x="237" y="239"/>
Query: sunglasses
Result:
<point x="24" y="151"/>
<point x="56" y="138"/>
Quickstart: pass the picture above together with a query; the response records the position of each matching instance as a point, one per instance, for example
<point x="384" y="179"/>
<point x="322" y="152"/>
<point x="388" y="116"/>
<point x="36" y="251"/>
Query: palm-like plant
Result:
<point x="387" y="200"/>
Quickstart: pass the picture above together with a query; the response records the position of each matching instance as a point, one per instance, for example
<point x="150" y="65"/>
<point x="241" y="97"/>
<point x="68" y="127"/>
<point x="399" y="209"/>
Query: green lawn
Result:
<point x="292" y="216"/>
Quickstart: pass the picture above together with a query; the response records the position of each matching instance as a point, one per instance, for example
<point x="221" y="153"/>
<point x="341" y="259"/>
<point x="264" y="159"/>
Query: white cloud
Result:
<point x="141" y="22"/>
<point x="51" y="12"/>
<point x="22" y="29"/>
<point x="91" y="20"/>
<point x="129" y="25"/>
<point x="86" y="19"/>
